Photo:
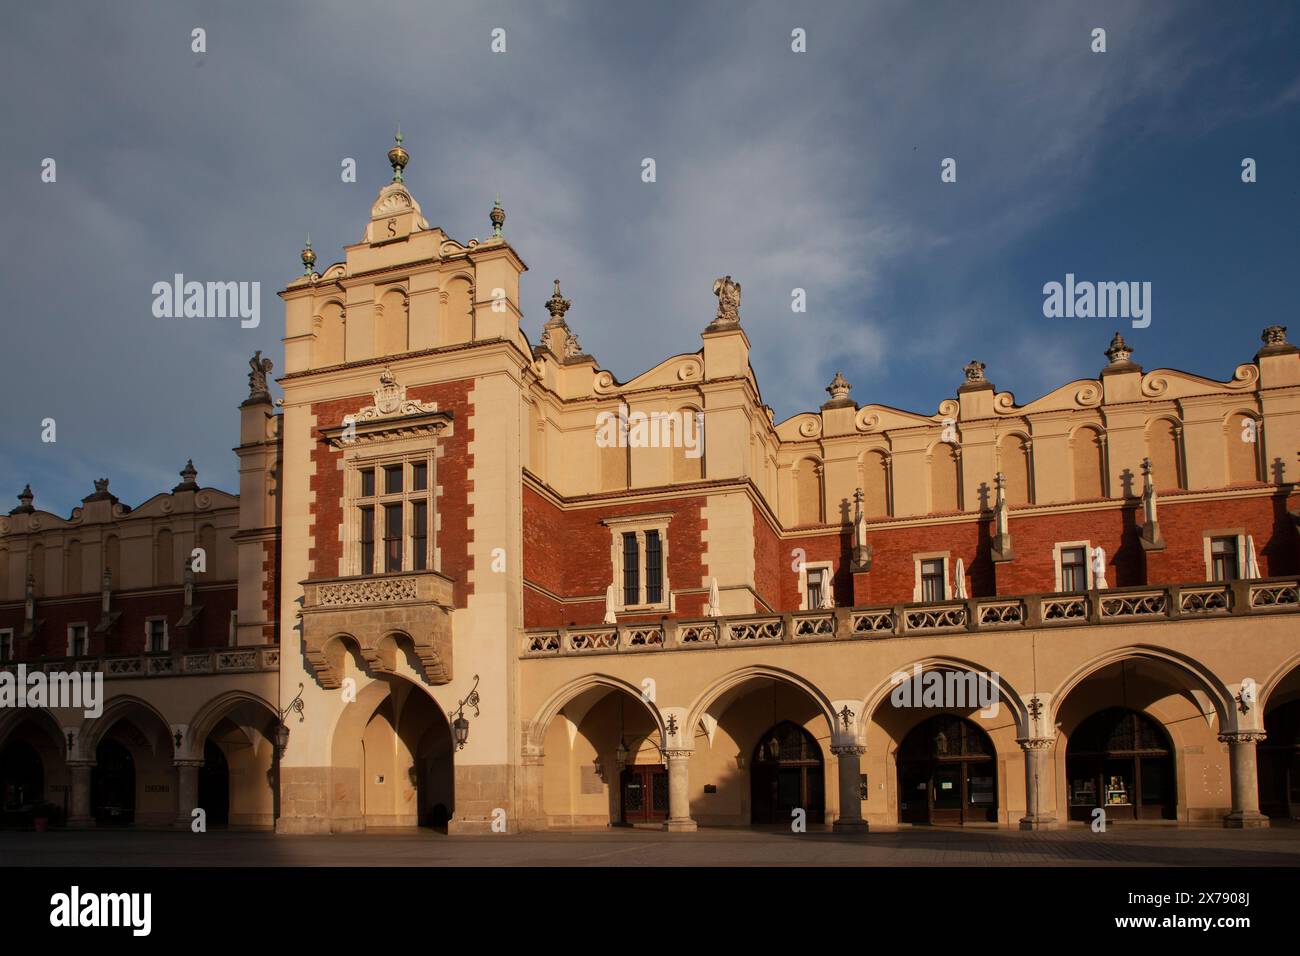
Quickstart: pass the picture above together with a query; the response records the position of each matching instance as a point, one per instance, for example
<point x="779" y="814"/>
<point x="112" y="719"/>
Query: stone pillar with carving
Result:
<point x="679" y="794"/>
<point x="187" y="791"/>
<point x="849" y="757"/>
<point x="1039" y="783"/>
<point x="1245" y="780"/>
<point x="79" y="816"/>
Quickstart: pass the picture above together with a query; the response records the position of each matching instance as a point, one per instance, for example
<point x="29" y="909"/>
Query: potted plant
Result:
<point x="42" y="814"/>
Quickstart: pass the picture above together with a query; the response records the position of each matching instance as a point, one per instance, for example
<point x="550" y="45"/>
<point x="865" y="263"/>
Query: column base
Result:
<point x="1037" y="823"/>
<point x="850" y="826"/>
<point x="681" y="826"/>
<point x="80" y="823"/>
<point x="1245" y="821"/>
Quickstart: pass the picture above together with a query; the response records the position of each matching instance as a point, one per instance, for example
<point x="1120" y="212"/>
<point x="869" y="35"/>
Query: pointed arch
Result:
<point x="733" y="679"/>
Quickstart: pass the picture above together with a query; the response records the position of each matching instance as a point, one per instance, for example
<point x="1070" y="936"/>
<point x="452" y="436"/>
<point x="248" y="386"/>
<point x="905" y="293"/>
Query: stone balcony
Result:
<point x="381" y="614"/>
<point x="224" y="660"/>
<point x="981" y="614"/>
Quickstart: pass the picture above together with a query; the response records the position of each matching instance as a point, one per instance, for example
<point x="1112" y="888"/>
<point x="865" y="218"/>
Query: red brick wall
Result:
<point x="451" y="474"/>
<point x="271" y="594"/>
<point x="212" y="629"/>
<point x="568" y="553"/>
<point x="768" y="560"/>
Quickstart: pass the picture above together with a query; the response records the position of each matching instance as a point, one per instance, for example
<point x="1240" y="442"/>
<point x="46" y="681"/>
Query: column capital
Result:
<point x="1036" y="743"/>
<point x="188" y="762"/>
<point x="677" y="754"/>
<point x="845" y="750"/>
<point x="75" y="764"/>
<point x="1242" y="737"/>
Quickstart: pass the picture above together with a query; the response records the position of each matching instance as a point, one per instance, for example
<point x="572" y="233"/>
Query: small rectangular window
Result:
<point x="393" y="479"/>
<point x="815" y="586"/>
<point x="368" y="483"/>
<point x="933" y="585"/>
<point x="157" y="636"/>
<point x="631" y="570"/>
<point x="1223" y="559"/>
<point x="419" y="476"/>
<point x="653" y="568"/>
<point x="1074" y="570"/>
<point x="419" y="535"/>
<point x="77" y="640"/>
<point x="392" y="537"/>
<point x="6" y="645"/>
<point x="367" y="540"/>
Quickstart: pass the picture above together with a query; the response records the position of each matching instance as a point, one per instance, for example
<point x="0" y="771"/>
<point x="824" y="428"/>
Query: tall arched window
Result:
<point x="164" y="567"/>
<point x="391" y="323"/>
<point x="459" y="312"/>
<point x="1013" y="461"/>
<point x="113" y="559"/>
<point x="808" y="491"/>
<point x="875" y="484"/>
<point x="330" y="341"/>
<point x="1242" y="435"/>
<point x="687" y="448"/>
<point x="1088" y="451"/>
<point x="1163" y="450"/>
<point x="945" y="495"/>
<point x="72" y="568"/>
<point x="208" y="542"/>
<point x="38" y="568"/>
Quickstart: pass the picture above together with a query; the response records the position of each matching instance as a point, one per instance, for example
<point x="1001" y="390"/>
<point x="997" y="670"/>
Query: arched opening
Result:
<point x="22" y="782"/>
<point x="947" y="773"/>
<point x="214" y="785"/>
<point x="1278" y="758"/>
<point x="237" y="781"/>
<point x="604" y="765"/>
<point x="32" y="769"/>
<point x="1122" y="761"/>
<point x="786" y="775"/>
<point x="760" y="751"/>
<point x="113" y="785"/>
<point x="134" y="777"/>
<point x="393" y="759"/>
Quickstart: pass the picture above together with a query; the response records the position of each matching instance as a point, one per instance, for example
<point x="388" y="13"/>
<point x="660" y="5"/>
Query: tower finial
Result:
<point x="398" y="157"/>
<point x="557" y="304"/>
<point x="498" y="216"/>
<point x="308" y="257"/>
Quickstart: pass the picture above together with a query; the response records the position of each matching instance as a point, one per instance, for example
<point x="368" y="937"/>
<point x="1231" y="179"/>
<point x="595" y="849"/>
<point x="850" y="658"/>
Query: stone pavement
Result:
<point x="1121" y="845"/>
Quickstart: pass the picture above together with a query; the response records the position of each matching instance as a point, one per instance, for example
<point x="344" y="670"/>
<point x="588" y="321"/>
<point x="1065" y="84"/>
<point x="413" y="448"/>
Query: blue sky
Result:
<point x="817" y="170"/>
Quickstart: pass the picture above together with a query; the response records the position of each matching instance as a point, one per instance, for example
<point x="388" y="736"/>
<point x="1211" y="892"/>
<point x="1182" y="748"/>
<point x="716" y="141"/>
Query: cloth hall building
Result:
<point x="440" y="598"/>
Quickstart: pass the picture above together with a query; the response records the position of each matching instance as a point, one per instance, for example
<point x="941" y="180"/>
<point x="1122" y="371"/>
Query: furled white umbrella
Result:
<point x="959" y="580"/>
<point x="610" y="618"/>
<point x="1099" y="569"/>
<point x="827" y="601"/>
<point x="1252" y="563"/>
<point x="714" y="608"/>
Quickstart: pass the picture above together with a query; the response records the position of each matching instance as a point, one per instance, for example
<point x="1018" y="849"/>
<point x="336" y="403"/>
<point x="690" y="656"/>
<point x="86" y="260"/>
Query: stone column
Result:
<point x="679" y="796"/>
<point x="1245" y="780"/>
<point x="187" y="791"/>
<point x="79" y="815"/>
<point x="1038" y="778"/>
<point x="850" y="774"/>
<point x="532" y="812"/>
